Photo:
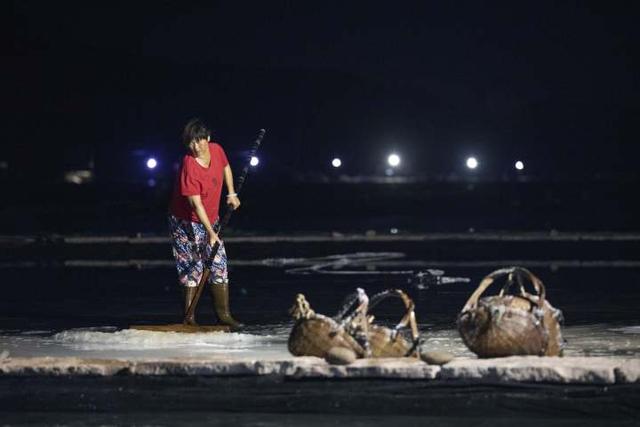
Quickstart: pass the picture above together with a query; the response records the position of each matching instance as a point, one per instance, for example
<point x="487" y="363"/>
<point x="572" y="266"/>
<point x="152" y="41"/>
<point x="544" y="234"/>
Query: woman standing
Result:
<point x="193" y="214"/>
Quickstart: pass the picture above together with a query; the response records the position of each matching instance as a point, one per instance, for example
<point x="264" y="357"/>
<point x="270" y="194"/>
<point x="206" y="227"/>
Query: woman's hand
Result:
<point x="213" y="238"/>
<point x="233" y="201"/>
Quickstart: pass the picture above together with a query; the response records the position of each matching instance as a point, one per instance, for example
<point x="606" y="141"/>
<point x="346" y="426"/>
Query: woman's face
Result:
<point x="198" y="147"/>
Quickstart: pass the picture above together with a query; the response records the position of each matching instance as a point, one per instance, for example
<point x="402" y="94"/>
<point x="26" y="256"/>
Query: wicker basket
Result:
<point x="318" y="335"/>
<point x="509" y="325"/>
<point x="314" y="334"/>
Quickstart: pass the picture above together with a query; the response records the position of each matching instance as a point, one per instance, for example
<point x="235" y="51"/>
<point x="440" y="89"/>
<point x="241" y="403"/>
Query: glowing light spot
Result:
<point x="472" y="163"/>
<point x="519" y="165"/>
<point x="254" y="161"/>
<point x="152" y="163"/>
<point x="394" y="160"/>
<point x="336" y="163"/>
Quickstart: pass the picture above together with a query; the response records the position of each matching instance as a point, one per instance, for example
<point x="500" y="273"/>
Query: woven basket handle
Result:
<point x="409" y="318"/>
<point x="491" y="277"/>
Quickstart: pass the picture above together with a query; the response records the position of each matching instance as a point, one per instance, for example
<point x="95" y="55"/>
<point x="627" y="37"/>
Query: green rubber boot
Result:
<point x="220" y="294"/>
<point x="188" y="292"/>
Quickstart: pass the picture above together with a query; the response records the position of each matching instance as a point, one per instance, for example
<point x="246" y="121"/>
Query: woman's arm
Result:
<point x="232" y="197"/>
<point x="198" y="207"/>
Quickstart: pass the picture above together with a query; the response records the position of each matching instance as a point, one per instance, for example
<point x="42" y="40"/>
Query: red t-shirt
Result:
<point x="194" y="179"/>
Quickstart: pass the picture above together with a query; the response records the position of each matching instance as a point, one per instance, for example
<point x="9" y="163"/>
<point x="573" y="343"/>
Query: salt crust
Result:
<point x="529" y="369"/>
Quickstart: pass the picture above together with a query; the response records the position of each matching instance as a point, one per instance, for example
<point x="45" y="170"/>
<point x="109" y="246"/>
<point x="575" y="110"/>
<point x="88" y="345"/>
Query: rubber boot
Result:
<point x="220" y="294"/>
<point x="189" y="292"/>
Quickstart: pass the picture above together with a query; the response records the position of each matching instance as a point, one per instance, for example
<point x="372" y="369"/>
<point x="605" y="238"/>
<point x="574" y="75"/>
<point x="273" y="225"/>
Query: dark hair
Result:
<point x="195" y="129"/>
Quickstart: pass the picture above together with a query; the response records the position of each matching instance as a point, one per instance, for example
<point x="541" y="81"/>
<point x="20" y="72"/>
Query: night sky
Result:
<point x="552" y="83"/>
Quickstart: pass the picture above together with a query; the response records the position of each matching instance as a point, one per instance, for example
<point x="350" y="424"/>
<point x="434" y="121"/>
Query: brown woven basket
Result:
<point x="509" y="325"/>
<point x="314" y="334"/>
<point x="315" y="337"/>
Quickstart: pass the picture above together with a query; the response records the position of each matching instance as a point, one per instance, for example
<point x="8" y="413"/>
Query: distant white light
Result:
<point x="82" y="176"/>
<point x="472" y="163"/>
<point x="336" y="163"/>
<point x="519" y="165"/>
<point x="394" y="160"/>
<point x="254" y="161"/>
<point x="152" y="163"/>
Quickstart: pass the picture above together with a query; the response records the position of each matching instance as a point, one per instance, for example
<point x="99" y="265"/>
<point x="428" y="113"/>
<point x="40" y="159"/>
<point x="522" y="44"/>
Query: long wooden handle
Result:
<point x="196" y="297"/>
<point x="241" y="179"/>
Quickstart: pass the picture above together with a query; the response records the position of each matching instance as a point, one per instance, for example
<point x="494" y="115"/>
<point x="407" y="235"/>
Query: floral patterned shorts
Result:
<point x="192" y="252"/>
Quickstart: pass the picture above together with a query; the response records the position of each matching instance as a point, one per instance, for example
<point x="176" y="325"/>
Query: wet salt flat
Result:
<point x="86" y="311"/>
<point x="268" y="342"/>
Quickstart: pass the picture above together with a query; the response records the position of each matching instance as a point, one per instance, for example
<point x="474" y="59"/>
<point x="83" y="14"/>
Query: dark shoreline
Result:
<point x="290" y="207"/>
